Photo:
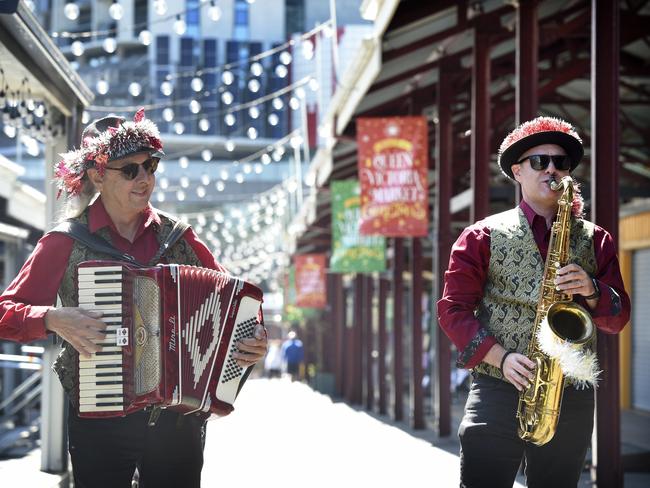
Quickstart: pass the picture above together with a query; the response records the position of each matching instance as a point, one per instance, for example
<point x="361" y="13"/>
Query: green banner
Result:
<point x="352" y="252"/>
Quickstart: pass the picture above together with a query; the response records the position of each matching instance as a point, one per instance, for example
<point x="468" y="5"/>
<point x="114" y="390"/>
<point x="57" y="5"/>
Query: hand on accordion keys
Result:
<point x="253" y="349"/>
<point x="79" y="327"/>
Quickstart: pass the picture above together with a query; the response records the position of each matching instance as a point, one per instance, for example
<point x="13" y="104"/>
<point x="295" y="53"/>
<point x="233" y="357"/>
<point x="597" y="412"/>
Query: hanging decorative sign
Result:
<point x="311" y="289"/>
<point x="352" y="252"/>
<point x="393" y="158"/>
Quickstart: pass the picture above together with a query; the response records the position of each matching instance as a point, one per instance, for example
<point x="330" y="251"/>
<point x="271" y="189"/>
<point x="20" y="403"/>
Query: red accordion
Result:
<point x="171" y="333"/>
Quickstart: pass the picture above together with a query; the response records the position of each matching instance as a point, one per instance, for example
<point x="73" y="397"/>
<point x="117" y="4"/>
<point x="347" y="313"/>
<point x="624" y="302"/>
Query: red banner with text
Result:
<point x="393" y="157"/>
<point x="311" y="291"/>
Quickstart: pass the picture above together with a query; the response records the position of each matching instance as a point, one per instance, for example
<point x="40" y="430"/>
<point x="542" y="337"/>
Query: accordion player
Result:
<point x="170" y="337"/>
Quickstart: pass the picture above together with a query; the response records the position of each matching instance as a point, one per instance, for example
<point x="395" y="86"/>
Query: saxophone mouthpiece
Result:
<point x="555" y="186"/>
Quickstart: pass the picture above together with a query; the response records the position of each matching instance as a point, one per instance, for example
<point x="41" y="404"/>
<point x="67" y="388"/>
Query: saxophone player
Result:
<point x="488" y="310"/>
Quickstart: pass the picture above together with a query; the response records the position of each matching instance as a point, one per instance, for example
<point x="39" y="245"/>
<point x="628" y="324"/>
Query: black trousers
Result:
<point x="105" y="452"/>
<point x="491" y="451"/>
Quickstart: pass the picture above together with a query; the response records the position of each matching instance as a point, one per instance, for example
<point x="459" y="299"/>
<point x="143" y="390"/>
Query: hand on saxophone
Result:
<point x="518" y="370"/>
<point x="515" y="367"/>
<point x="575" y="280"/>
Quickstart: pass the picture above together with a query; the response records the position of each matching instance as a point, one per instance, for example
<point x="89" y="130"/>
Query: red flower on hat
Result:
<point x="540" y="124"/>
<point x="139" y="115"/>
<point x="72" y="182"/>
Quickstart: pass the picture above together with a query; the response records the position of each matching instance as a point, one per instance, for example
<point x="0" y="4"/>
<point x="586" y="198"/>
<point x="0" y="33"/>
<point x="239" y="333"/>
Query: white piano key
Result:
<point x="92" y="393"/>
<point x="95" y="269"/>
<point x="90" y="380"/>
<point x="102" y="359"/>
<point x="93" y="408"/>
<point x="96" y="401"/>
<point x="95" y="372"/>
<point x="100" y="288"/>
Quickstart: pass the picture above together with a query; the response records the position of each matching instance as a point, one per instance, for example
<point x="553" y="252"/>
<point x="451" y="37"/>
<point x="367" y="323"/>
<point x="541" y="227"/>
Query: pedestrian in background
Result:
<point x="489" y="304"/>
<point x="293" y="354"/>
<point x="108" y="183"/>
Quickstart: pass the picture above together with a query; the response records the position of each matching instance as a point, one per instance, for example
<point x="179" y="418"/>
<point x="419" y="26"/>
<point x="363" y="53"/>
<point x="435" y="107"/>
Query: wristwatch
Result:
<point x="596" y="294"/>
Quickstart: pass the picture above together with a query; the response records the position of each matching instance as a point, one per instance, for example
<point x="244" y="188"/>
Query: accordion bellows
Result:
<point x="171" y="333"/>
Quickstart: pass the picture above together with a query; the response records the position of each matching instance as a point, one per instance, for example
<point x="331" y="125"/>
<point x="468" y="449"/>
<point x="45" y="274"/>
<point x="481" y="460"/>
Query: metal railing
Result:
<point x="18" y="425"/>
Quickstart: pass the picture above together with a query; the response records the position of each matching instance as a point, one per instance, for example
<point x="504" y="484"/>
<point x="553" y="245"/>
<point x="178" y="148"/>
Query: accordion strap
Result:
<point x="174" y="235"/>
<point x="80" y="232"/>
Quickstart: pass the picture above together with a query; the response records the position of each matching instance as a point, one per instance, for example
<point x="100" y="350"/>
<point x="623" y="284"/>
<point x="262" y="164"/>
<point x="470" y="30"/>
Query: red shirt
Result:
<point x="32" y="293"/>
<point x="467" y="274"/>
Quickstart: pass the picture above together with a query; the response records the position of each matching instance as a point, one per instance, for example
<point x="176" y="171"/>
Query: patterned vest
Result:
<point x="65" y="365"/>
<point x="515" y="275"/>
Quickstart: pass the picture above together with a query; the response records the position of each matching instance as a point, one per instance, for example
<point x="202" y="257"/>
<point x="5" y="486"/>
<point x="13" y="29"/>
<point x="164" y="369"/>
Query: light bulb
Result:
<point x="224" y="174"/>
<point x="227" y="98"/>
<point x="214" y="12"/>
<point x="254" y="112"/>
<point x="168" y="114"/>
<point x="256" y="68"/>
<point x="313" y="84"/>
<point x="254" y="85"/>
<point x="135" y="88"/>
<point x="251" y="133"/>
<point x="307" y="49"/>
<point x="266" y="159"/>
<point x="166" y="88"/>
<point x="204" y="125"/>
<point x="285" y="57"/>
<point x="183" y="162"/>
<point x="205" y="179"/>
<point x="71" y="11"/>
<point x="77" y="48"/>
<point x="184" y="181"/>
<point x="200" y="192"/>
<point x="195" y="107"/>
<point x="277" y="103"/>
<point x="206" y="155"/>
<point x="180" y="26"/>
<point x="145" y="37"/>
<point x="227" y="77"/>
<point x="160" y="6"/>
<point x="273" y="119"/>
<point x="239" y="178"/>
<point x="230" y="146"/>
<point x="109" y="45"/>
<point x="116" y="11"/>
<point x="196" y="84"/>
<point x="220" y="185"/>
<point x="229" y="119"/>
<point x="179" y="128"/>
<point x="102" y="86"/>
<point x="294" y="103"/>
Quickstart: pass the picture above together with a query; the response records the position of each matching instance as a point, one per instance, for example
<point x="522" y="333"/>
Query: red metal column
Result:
<point x="357" y="334"/>
<point x="339" y="327"/>
<point x="527" y="54"/>
<point x="444" y="159"/>
<point x="605" y="46"/>
<point x="416" y="337"/>
<point x="398" y="328"/>
<point x="369" y="290"/>
<point x="480" y="147"/>
<point x="381" y="367"/>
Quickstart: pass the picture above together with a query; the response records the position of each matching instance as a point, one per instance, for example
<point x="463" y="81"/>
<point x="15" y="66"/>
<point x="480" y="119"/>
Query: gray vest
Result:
<point x="66" y="364"/>
<point x="515" y="275"/>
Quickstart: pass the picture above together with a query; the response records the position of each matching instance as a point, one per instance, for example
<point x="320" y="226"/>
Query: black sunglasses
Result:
<point x="131" y="170"/>
<point x="540" y="162"/>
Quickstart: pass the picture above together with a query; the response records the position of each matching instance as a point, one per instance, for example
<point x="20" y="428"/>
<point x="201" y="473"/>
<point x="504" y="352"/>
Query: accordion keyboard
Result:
<point x="101" y="381"/>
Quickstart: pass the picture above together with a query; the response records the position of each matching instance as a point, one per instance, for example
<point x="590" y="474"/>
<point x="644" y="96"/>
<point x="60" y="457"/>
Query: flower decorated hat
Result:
<point x="542" y="130"/>
<point x="104" y="140"/>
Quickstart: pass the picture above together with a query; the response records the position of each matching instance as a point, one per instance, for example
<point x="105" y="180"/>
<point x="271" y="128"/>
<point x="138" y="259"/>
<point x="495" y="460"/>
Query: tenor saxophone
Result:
<point x="539" y="405"/>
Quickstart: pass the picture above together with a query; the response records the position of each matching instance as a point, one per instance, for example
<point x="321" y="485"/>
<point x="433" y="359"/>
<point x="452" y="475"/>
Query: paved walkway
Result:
<point x="303" y="438"/>
<point x="285" y="435"/>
